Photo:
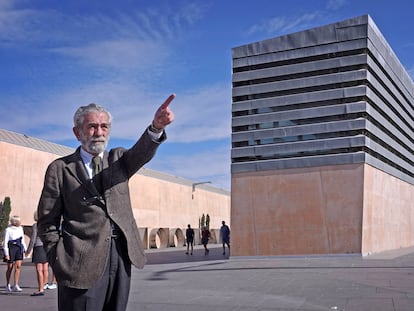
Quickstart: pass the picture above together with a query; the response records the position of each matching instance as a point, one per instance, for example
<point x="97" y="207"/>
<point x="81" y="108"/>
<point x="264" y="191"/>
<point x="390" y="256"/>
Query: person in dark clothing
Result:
<point x="189" y="235"/>
<point x="225" y="236"/>
<point x="205" y="236"/>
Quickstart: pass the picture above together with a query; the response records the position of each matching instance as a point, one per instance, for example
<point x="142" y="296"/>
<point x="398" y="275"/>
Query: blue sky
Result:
<point x="129" y="55"/>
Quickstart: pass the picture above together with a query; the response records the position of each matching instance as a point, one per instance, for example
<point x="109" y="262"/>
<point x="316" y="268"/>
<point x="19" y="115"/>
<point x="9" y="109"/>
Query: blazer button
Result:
<point x="107" y="238"/>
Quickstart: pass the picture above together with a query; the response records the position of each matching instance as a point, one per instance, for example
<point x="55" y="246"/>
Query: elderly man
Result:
<point x="85" y="217"/>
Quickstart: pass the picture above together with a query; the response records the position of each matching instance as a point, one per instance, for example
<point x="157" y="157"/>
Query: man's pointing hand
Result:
<point x="164" y="116"/>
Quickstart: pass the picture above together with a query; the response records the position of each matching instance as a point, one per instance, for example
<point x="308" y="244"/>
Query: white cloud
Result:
<point x="53" y="28"/>
<point x="15" y="24"/>
<point x="119" y="54"/>
<point x="212" y="165"/>
<point x="281" y="24"/>
<point x="199" y="114"/>
<point x="125" y="53"/>
<point x="205" y="114"/>
<point x="335" y="4"/>
<point x="6" y="4"/>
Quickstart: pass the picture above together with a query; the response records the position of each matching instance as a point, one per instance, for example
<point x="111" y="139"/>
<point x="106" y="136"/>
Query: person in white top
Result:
<point x="14" y="249"/>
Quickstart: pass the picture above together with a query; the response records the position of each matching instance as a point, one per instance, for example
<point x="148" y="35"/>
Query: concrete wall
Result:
<point x="21" y="178"/>
<point x="161" y="206"/>
<point x="297" y="211"/>
<point x="321" y="210"/>
<point x="388" y="217"/>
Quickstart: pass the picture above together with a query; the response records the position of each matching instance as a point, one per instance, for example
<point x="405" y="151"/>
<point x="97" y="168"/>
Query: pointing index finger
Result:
<point x="168" y="101"/>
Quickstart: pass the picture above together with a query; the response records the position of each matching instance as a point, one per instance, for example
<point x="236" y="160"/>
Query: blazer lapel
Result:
<point x="106" y="173"/>
<point x="77" y="169"/>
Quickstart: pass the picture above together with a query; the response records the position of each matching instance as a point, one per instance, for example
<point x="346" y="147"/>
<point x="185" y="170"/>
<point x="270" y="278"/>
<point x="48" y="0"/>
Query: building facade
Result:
<point x="322" y="144"/>
<point x="163" y="204"/>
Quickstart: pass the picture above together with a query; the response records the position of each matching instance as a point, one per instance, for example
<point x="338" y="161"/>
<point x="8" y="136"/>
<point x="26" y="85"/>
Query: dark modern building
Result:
<point x="322" y="144"/>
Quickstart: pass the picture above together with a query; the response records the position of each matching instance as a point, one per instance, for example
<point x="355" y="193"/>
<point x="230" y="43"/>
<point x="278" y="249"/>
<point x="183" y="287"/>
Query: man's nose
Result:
<point x="99" y="131"/>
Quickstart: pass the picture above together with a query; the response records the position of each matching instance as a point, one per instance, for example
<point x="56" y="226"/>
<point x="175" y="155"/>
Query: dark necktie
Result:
<point x="96" y="165"/>
<point x="96" y="170"/>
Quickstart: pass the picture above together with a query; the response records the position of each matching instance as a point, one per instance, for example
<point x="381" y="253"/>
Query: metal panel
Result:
<point x="318" y="128"/>
<point x="350" y="29"/>
<point x="308" y="82"/>
<point x="337" y="159"/>
<point x="275" y="56"/>
<point x="297" y="114"/>
<point x="325" y="95"/>
<point x="296" y="68"/>
<point x="383" y="82"/>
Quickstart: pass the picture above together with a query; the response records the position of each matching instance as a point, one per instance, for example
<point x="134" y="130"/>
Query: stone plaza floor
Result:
<point x="174" y="281"/>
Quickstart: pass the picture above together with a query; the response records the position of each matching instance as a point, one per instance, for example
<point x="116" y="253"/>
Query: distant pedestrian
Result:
<point x="189" y="235"/>
<point x="225" y="236"/>
<point x="14" y="248"/>
<point x="39" y="258"/>
<point x="205" y="236"/>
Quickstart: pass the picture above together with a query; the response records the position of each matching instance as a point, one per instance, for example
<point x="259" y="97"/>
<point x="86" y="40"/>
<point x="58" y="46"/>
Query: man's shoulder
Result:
<point x="116" y="152"/>
<point x="67" y="158"/>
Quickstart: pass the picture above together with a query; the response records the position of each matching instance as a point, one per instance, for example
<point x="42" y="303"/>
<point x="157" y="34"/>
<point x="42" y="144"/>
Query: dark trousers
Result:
<point x="110" y="293"/>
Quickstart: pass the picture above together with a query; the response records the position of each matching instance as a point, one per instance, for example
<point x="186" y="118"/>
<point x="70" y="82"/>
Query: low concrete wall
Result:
<point x="158" y="200"/>
<point x="388" y="213"/>
<point x="321" y="210"/>
<point x="173" y="237"/>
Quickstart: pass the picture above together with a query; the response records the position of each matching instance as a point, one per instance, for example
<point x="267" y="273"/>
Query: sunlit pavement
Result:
<point x="175" y="281"/>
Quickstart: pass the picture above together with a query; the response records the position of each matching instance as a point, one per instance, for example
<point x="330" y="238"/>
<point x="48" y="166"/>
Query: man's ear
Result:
<point x="76" y="132"/>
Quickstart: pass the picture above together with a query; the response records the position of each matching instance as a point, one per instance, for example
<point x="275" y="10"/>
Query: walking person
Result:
<point x="14" y="248"/>
<point x="52" y="284"/>
<point x="205" y="236"/>
<point x="86" y="221"/>
<point x="189" y="236"/>
<point x="225" y="236"/>
<point x="40" y="260"/>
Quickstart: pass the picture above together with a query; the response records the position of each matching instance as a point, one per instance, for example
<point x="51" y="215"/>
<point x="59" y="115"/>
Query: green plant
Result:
<point x="5" y="209"/>
<point x="208" y="221"/>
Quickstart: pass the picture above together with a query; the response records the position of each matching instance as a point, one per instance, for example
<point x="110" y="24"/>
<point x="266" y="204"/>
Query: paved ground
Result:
<point x="173" y="281"/>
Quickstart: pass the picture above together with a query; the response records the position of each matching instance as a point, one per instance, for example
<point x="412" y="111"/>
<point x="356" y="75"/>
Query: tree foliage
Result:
<point x="204" y="221"/>
<point x="208" y="221"/>
<point x="5" y="209"/>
